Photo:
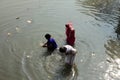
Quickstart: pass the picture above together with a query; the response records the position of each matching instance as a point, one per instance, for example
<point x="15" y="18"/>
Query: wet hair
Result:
<point x="47" y="36"/>
<point x="62" y="49"/>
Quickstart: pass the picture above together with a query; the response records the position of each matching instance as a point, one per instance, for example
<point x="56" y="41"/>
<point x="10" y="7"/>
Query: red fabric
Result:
<point x="70" y="34"/>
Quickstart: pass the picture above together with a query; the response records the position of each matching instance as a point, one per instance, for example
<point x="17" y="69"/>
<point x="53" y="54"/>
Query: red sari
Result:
<point x="70" y="34"/>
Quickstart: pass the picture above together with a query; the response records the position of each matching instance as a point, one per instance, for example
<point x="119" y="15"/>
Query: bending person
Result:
<point x="70" y="53"/>
<point x="51" y="43"/>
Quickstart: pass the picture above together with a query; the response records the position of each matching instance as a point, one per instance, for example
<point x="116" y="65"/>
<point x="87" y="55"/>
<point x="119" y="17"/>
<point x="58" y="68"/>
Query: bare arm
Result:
<point x="44" y="45"/>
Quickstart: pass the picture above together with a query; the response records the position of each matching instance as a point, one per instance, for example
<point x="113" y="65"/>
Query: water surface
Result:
<point x="24" y="23"/>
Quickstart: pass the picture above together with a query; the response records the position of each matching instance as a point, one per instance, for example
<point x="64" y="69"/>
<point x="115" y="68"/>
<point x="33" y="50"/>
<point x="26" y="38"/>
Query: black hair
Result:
<point x="47" y="36"/>
<point x="66" y="25"/>
<point x="62" y="49"/>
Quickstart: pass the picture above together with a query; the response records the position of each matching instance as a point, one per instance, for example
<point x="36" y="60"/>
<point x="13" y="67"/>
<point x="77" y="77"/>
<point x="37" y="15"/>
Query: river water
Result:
<point x="23" y="24"/>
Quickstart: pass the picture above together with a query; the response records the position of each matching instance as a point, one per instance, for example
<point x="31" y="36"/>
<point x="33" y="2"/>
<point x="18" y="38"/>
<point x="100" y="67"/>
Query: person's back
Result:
<point x="70" y="53"/>
<point x="51" y="43"/>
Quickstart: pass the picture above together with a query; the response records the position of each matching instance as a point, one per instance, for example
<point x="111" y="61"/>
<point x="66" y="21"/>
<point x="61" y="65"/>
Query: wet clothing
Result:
<point x="70" y="54"/>
<point x="70" y="34"/>
<point x="51" y="44"/>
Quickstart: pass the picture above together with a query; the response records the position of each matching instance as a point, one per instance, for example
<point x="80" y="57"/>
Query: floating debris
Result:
<point x="93" y="3"/>
<point x="17" y="29"/>
<point x="93" y="54"/>
<point x="8" y="34"/>
<point x="17" y="17"/>
<point x="49" y="77"/>
<point x="28" y="56"/>
<point x="81" y="60"/>
<point x="29" y="21"/>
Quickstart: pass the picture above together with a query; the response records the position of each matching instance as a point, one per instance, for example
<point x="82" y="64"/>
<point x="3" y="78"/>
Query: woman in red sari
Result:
<point x="70" y="34"/>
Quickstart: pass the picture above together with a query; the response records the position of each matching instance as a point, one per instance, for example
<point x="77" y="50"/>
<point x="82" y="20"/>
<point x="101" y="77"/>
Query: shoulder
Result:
<point x="52" y="39"/>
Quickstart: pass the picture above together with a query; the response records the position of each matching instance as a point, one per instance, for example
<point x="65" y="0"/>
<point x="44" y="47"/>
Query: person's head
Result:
<point x="62" y="49"/>
<point x="47" y="36"/>
<point x="66" y="25"/>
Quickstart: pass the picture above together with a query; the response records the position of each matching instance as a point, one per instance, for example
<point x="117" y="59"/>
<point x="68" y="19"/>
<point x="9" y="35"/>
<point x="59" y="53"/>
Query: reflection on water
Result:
<point x="113" y="50"/>
<point x="117" y="29"/>
<point x="103" y="10"/>
<point x="106" y="11"/>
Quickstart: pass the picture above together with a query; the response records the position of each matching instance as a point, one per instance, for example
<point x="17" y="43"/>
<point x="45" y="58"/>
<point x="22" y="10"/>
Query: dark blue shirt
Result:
<point x="51" y="43"/>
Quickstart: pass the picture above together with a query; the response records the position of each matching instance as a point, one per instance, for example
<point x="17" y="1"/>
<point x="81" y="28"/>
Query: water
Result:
<point x="24" y="23"/>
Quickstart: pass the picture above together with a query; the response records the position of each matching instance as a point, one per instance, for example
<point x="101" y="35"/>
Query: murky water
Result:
<point x="24" y="23"/>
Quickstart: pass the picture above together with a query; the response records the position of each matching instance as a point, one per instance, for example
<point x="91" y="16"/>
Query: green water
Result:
<point x="23" y="24"/>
